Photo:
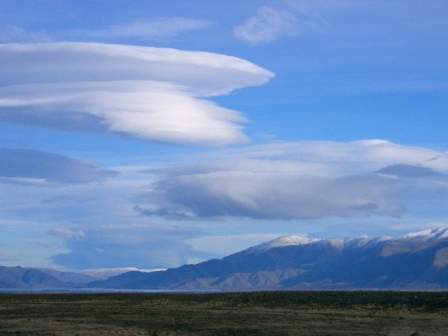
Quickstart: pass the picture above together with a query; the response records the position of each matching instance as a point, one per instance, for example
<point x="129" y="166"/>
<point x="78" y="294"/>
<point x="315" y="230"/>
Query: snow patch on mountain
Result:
<point x="430" y="234"/>
<point x="288" y="240"/>
<point x="414" y="241"/>
<point x="365" y="241"/>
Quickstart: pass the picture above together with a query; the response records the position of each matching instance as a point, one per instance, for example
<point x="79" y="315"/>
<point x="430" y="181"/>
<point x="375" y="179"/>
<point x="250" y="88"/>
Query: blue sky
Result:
<point x="153" y="134"/>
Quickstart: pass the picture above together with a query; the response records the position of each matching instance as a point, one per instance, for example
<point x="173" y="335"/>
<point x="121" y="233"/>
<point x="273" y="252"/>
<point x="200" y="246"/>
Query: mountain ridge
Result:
<point x="27" y="278"/>
<point x="414" y="261"/>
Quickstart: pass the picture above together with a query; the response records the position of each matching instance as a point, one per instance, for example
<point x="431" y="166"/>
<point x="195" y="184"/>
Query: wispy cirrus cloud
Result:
<point x="293" y="19"/>
<point x="267" y="26"/>
<point x="66" y="233"/>
<point x="142" y="92"/>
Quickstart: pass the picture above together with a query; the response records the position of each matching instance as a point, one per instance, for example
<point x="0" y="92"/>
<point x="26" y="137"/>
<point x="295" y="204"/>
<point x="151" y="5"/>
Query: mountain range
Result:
<point x="414" y="261"/>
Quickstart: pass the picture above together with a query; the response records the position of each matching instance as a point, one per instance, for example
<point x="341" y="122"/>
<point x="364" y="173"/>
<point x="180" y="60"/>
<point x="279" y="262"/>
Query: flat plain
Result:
<point x="255" y="313"/>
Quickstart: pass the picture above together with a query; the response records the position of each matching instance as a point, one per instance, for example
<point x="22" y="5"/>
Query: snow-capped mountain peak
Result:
<point x="288" y="240"/>
<point x="416" y="261"/>
<point x="363" y="241"/>
<point x="435" y="233"/>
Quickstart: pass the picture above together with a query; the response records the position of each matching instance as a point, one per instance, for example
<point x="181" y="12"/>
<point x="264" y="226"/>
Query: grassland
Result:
<point x="258" y="313"/>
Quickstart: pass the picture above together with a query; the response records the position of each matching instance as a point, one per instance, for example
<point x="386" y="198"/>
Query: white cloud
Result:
<point x="66" y="233"/>
<point x="267" y="26"/>
<point x="300" y="181"/>
<point x="146" y="93"/>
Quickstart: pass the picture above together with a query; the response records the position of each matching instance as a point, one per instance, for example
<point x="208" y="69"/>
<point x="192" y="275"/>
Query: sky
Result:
<point x="151" y="134"/>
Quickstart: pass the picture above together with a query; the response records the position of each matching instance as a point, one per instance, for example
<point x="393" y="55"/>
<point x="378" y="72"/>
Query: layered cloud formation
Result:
<point x="105" y="219"/>
<point x="142" y="92"/>
<point x="302" y="180"/>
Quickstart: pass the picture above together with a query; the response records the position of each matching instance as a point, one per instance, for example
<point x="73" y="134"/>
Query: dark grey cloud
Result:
<point x="34" y="164"/>
<point x="409" y="171"/>
<point x="270" y="196"/>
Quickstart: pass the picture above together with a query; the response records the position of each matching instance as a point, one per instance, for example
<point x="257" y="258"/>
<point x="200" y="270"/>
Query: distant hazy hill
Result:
<point x="26" y="278"/>
<point x="414" y="261"/>
<point x="69" y="278"/>
<point x="47" y="278"/>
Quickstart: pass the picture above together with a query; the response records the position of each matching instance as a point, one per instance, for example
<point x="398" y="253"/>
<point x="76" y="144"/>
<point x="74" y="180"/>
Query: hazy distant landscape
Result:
<point x="257" y="313"/>
<point x="416" y="261"/>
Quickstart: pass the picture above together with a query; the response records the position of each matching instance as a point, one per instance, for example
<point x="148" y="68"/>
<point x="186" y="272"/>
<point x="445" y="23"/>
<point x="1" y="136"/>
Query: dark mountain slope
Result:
<point x="414" y="261"/>
<point x="26" y="278"/>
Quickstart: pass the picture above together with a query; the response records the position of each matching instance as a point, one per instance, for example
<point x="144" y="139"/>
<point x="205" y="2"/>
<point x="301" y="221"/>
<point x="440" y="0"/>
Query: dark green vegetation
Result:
<point x="257" y="313"/>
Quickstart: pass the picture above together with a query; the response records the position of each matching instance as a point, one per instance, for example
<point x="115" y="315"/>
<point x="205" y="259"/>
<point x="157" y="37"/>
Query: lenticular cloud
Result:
<point x="304" y="180"/>
<point x="146" y="93"/>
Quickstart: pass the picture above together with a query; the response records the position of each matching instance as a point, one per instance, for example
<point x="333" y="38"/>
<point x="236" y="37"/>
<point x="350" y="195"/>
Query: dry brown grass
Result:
<point x="274" y="313"/>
